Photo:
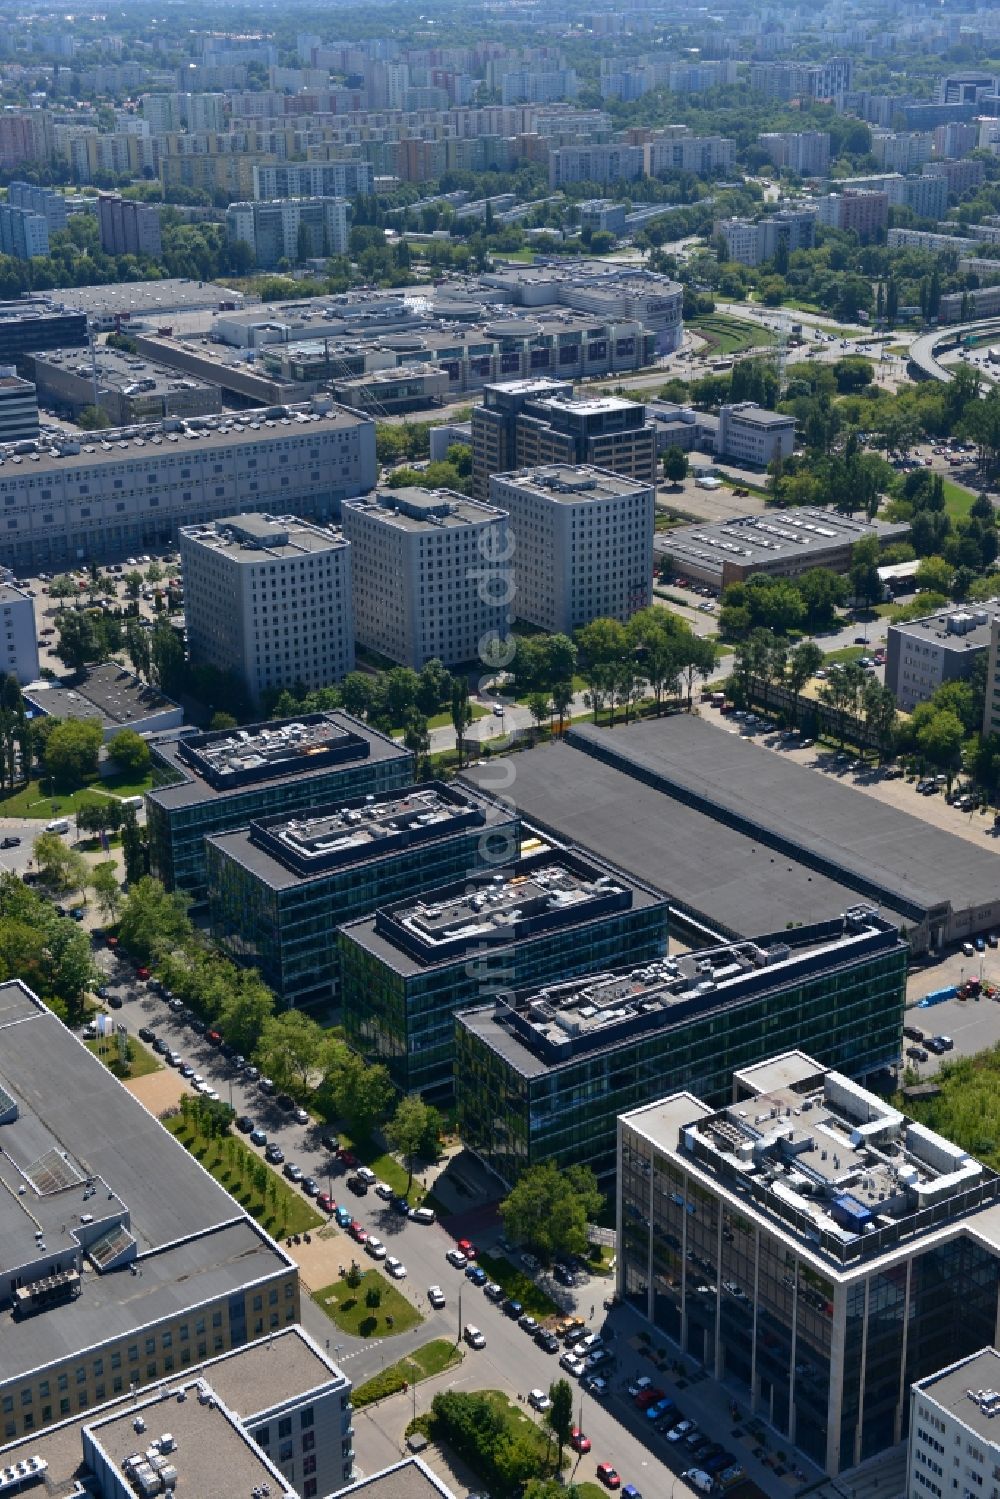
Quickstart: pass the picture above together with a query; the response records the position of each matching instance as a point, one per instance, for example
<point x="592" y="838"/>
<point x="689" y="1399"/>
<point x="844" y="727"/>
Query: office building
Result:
<point x="273" y="1414"/>
<point x="18" y="635"/>
<point x="44" y="200"/>
<point x="922" y="654"/>
<point x="786" y="545"/>
<point x="313" y="179"/>
<point x="958" y="306"/>
<point x="864" y="213"/>
<point x="902" y="150"/>
<point x="991" y="708"/>
<point x="751" y="243"/>
<point x="522" y="423"/>
<point x="603" y="215"/>
<point x="123" y="1260"/>
<point x="966" y="88"/>
<point x="37" y="322"/>
<point x="806" y="152"/>
<point x="23" y="233"/>
<point x="212" y="783"/>
<point x="431" y="574"/>
<point x="582" y="544"/>
<point x="18" y="408"/>
<point x="750" y="834"/>
<point x="749" y="434"/>
<point x="809" y="1246"/>
<point x="78" y="499"/>
<point x="954" y="1443"/>
<point x="129" y="388"/>
<point x="128" y="227"/>
<point x="269" y="599"/>
<point x="292" y="229"/>
<point x="542" y="1076"/>
<point x="408" y="970"/>
<point x="278" y="889"/>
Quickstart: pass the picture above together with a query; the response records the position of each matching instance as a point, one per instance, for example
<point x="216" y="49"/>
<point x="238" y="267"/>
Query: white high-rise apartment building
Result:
<point x="269" y="598"/>
<point x="431" y="574"/>
<point x="582" y="543"/>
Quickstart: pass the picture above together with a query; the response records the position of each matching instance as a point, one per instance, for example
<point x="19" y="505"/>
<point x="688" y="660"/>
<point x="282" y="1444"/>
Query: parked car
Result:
<point x="608" y="1476"/>
<point x="274" y="1154"/>
<point x="476" y="1274"/>
<point x="457" y="1258"/>
<point x="245" y="1124"/>
<point x="492" y="1291"/>
<point x="572" y="1364"/>
<point x="468" y="1248"/>
<point x="395" y="1267"/>
<point x="578" y="1440"/>
<point x="547" y="1341"/>
<point x="436" y="1297"/>
<point x="258" y="1137"/>
<point x="375" y="1248"/>
<point x="473" y="1336"/>
<point x="539" y="1401"/>
<point x="292" y="1172"/>
<point x="357" y="1232"/>
<point x="325" y="1202"/>
<point x="310" y="1186"/>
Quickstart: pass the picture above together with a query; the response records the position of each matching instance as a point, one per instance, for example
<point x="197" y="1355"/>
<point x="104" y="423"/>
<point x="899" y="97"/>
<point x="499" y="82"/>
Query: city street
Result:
<point x="511" y="1360"/>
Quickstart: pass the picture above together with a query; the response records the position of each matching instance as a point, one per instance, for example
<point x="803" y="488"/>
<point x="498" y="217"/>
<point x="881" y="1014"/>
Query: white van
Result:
<point x="58" y="825"/>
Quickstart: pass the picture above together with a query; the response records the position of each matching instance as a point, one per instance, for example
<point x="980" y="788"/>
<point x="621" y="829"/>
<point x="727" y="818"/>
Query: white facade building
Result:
<point x="582" y="544"/>
<point x="18" y="636"/>
<point x="431" y="574"/>
<point x="954" y="1443"/>
<point x="121" y="494"/>
<point x="313" y="179"/>
<point x="269" y="598"/>
<point x="749" y="434"/>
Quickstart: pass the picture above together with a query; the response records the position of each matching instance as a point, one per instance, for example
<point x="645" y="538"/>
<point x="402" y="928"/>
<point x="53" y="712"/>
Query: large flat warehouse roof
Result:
<point x="726" y="877"/>
<point x="854" y="837"/>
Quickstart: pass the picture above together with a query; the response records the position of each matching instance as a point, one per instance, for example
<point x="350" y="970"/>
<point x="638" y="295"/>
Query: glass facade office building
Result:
<point x="545" y="1078"/>
<point x="818" y="1312"/>
<point x="278" y="890"/>
<point x="216" y="782"/>
<point x="409" y="969"/>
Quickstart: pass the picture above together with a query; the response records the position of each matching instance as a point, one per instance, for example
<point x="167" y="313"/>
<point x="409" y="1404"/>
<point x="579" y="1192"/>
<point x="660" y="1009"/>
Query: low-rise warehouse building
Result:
<point x="733" y="835"/>
<point x="783" y="544"/>
<point x="113" y="694"/>
<point x="542" y="1076"/>
<point x="128" y="387"/>
<point x="410" y="968"/>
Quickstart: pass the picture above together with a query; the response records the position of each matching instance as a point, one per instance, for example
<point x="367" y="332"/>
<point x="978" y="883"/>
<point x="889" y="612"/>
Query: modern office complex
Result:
<point x="812" y="1248"/>
<point x="18" y="635"/>
<point x="18" y="408"/>
<point x="922" y="654"/>
<point x="431" y="574"/>
<point x="274" y="1413"/>
<point x="750" y="434"/>
<point x="289" y="228"/>
<point x="278" y="889"/>
<point x="954" y="1440"/>
<point x="212" y="783"/>
<point x="269" y="598"/>
<point x="120" y="493"/>
<point x="38" y="322"/>
<point x="526" y="422"/>
<point x="127" y="226"/>
<point x="543" y="1076"/>
<point x="583" y="544"/>
<point x="410" y="968"/>
<point x="123" y="1261"/>
<point x="785" y="545"/>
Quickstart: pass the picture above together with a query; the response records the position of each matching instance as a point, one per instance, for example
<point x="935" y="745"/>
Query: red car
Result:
<point x="468" y="1248"/>
<point x="648" y="1396"/>
<point x="347" y="1158"/>
<point x="578" y="1441"/>
<point x="325" y="1202"/>
<point x="608" y="1476"/>
<point x="357" y="1232"/>
<point x="142" y="973"/>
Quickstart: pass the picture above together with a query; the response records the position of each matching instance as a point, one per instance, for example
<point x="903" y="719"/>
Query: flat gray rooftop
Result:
<point x="116" y="370"/>
<point x="76" y="1124"/>
<point x="964" y="1391"/>
<point x="410" y="1479"/>
<point x="170" y="294"/>
<point x="422" y="510"/>
<point x="956" y="629"/>
<point x="857" y="837"/>
<point x="194" y="787"/>
<point x="111" y="693"/>
<point x="572" y="484"/>
<point x="772" y="537"/>
<point x="254" y="538"/>
<point x="730" y="879"/>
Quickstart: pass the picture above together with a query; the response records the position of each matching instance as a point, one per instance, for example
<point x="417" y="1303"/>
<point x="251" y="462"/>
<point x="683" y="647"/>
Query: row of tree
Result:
<point x="656" y="652"/>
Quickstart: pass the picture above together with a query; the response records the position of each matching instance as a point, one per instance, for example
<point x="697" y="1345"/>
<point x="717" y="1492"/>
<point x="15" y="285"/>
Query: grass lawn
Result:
<point x="442" y="720"/>
<point x="432" y="1358"/>
<point x="526" y="257"/>
<point x="517" y="1422"/>
<point x="958" y="500"/>
<point x="349" y="1308"/>
<point x="728" y="335"/>
<point x="847" y="653"/>
<point x="141" y="1061"/>
<point x="32" y="801"/>
<point x="279" y="1208"/>
<point x="518" y="1285"/>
